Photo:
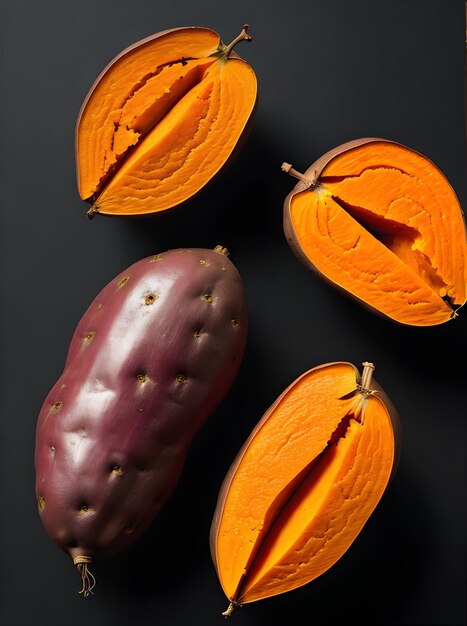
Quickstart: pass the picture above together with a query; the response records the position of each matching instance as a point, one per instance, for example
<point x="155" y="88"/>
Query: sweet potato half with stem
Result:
<point x="380" y="222"/>
<point x="150" y="360"/>
<point x="305" y="482"/>
<point x="162" y="120"/>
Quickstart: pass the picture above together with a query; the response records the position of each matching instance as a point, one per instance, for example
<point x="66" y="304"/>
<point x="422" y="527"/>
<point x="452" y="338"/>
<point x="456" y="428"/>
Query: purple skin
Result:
<point x="150" y="360"/>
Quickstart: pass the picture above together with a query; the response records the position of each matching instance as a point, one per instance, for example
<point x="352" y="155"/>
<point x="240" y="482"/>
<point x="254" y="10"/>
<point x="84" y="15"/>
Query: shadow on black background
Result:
<point x="240" y="207"/>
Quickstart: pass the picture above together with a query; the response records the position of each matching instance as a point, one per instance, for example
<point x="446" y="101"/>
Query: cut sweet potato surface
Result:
<point x="306" y="452"/>
<point x="187" y="148"/>
<point x="329" y="509"/>
<point x="109" y="121"/>
<point x="384" y="224"/>
<point x="161" y="121"/>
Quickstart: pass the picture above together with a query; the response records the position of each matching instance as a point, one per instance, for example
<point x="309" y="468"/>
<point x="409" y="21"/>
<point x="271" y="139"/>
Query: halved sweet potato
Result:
<point x="381" y="222"/>
<point x="304" y="483"/>
<point x="162" y="120"/>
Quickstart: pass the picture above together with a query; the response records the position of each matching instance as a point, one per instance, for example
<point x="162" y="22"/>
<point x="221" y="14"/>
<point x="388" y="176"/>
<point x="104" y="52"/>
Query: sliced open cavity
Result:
<point x="149" y="101"/>
<point x="402" y="240"/>
<point x="288" y="499"/>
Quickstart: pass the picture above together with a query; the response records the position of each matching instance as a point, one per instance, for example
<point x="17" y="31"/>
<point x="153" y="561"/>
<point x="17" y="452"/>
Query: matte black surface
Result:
<point x="328" y="71"/>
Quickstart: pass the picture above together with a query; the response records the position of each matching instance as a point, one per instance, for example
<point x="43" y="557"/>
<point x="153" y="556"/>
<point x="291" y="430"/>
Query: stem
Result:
<point x="364" y="391"/>
<point x="244" y="36"/>
<point x="288" y="169"/>
<point x="367" y="375"/>
<point x="92" y="211"/>
<point x="221" y="250"/>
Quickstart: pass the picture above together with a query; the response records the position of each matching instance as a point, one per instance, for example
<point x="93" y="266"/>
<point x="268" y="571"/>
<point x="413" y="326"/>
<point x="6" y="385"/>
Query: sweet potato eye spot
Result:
<point x="52" y="448"/>
<point x="142" y="378"/>
<point x="233" y="322"/>
<point x="89" y="336"/>
<point x="116" y="469"/>
<point x="84" y="508"/>
<point x="57" y="406"/>
<point x="197" y="333"/>
<point x="181" y="378"/>
<point x="150" y="298"/>
<point x="207" y="297"/>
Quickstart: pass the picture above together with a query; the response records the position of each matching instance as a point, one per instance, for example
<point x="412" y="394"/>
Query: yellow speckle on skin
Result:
<point x="156" y="258"/>
<point x="116" y="469"/>
<point x="41" y="503"/>
<point x="123" y="282"/>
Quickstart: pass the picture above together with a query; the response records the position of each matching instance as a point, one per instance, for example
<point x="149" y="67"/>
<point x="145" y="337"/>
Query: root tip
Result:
<point x="230" y="609"/>
<point x="87" y="579"/>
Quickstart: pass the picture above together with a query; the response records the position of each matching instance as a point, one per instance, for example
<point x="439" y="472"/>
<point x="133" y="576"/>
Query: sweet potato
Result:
<point x="149" y="361"/>
<point x="381" y="223"/>
<point x="304" y="484"/>
<point x="162" y="120"/>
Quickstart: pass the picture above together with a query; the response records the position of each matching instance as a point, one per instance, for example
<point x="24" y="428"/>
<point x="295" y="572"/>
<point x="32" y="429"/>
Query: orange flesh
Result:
<point x="264" y="548"/>
<point x="188" y="146"/>
<point x="412" y="258"/>
<point x="329" y="509"/>
<point x="161" y="122"/>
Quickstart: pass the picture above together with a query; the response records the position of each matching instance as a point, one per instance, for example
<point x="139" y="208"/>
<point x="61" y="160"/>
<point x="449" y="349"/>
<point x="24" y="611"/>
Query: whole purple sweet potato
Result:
<point x="150" y="360"/>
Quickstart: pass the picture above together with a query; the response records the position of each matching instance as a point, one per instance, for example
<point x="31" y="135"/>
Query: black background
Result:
<point x="328" y="71"/>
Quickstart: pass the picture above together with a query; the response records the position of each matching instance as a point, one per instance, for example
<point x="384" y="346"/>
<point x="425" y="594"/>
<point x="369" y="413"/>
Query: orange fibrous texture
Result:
<point x="384" y="224"/>
<point x="303" y="487"/>
<point x="161" y="122"/>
